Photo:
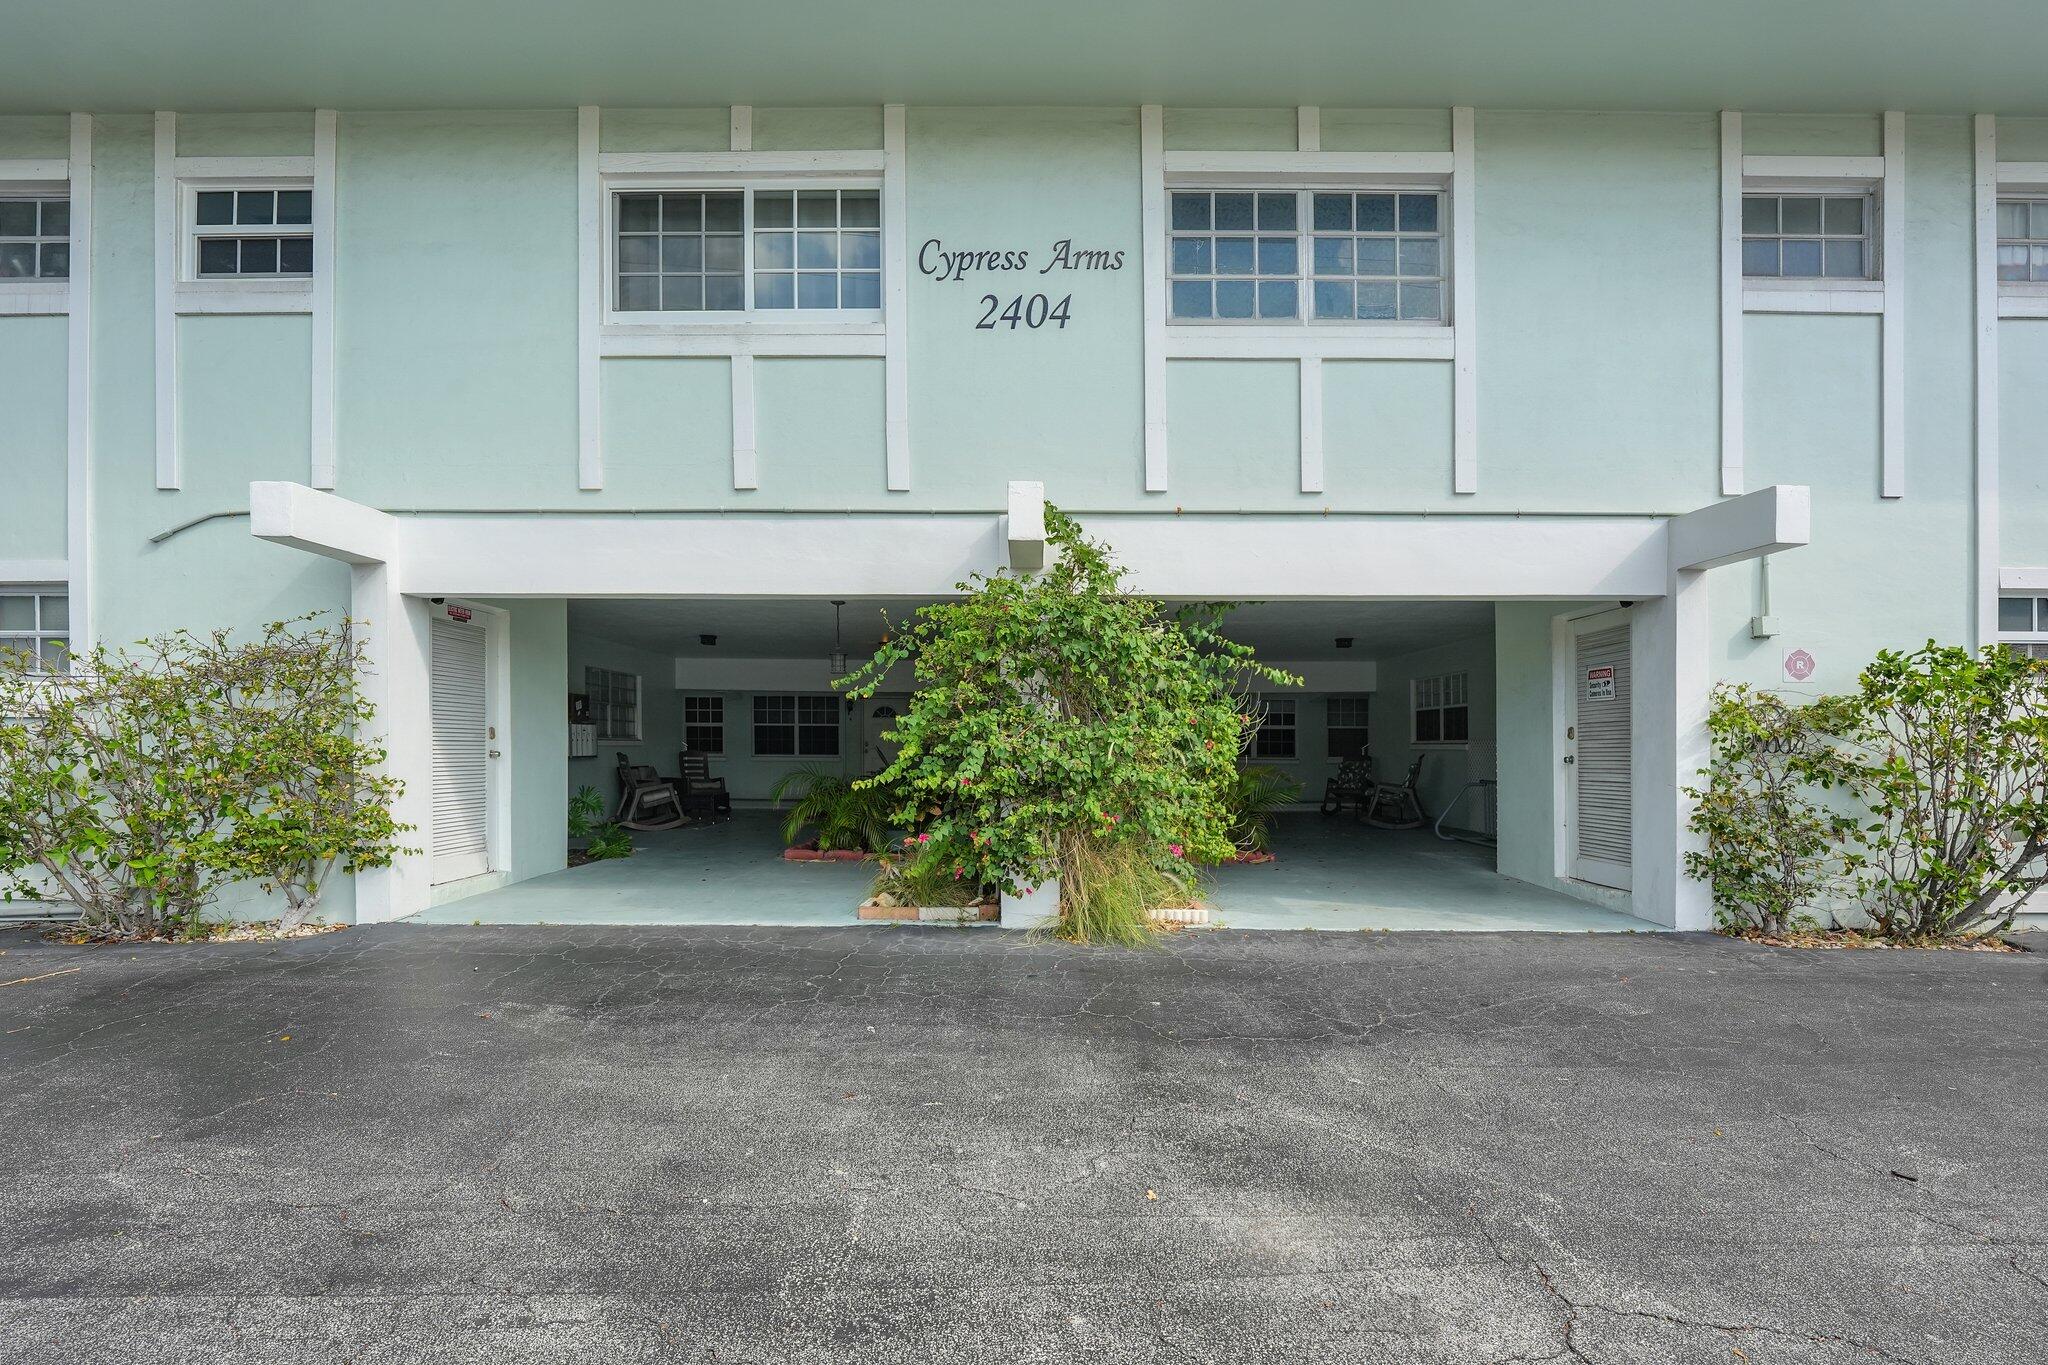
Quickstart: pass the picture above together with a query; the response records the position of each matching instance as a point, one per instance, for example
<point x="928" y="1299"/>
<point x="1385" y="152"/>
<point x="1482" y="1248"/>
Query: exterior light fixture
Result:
<point x="1343" y="642"/>
<point x="837" y="660"/>
<point x="707" y="640"/>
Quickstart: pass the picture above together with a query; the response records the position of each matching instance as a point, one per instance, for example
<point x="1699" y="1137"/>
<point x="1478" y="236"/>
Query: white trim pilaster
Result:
<point x="741" y="130"/>
<point x="589" y="299"/>
<point x="1984" y="184"/>
<point x="1464" y="306"/>
<point x="896" y="303"/>
<point x="1308" y="128"/>
<point x="78" y="389"/>
<point x="745" y="472"/>
<point x="1731" y="304"/>
<point x="1152" y="259"/>
<point x="1892" y="440"/>
<point x="165" y="185"/>
<point x="322" y="446"/>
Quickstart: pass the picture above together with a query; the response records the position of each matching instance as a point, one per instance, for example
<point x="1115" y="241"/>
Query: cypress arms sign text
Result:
<point x="1021" y="310"/>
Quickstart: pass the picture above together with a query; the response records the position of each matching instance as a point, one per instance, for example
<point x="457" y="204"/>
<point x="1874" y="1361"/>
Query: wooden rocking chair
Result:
<point x="1352" y="783"/>
<point x="1391" y="807"/>
<point x="701" y="792"/>
<point x="646" y="800"/>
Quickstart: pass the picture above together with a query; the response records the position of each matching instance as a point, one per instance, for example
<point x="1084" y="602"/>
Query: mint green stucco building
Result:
<point x="1529" y="371"/>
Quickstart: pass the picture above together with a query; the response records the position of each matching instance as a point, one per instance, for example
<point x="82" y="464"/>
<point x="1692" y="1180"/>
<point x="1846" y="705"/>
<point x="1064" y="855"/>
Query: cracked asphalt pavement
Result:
<point x="867" y="1144"/>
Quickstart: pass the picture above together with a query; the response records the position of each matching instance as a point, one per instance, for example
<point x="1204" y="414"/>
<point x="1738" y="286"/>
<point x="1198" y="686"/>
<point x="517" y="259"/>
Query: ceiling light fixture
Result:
<point x="707" y="640"/>
<point x="1343" y="642"/>
<point x="838" y="658"/>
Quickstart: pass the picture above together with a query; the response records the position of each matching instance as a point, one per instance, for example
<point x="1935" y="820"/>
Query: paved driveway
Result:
<point x="536" y="1144"/>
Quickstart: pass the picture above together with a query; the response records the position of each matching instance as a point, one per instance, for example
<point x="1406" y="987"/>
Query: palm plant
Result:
<point x="844" y="814"/>
<point x="1256" y="794"/>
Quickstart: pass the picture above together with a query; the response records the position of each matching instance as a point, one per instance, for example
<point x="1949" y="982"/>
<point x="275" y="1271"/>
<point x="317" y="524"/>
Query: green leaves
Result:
<point x="1057" y="707"/>
<point x="143" y="782"/>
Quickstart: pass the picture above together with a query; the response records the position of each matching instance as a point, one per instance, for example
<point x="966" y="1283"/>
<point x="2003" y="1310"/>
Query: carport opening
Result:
<point x="1390" y="748"/>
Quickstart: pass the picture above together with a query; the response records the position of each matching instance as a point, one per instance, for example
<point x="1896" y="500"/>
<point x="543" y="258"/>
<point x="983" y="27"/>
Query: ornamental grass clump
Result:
<point x="1063" y="727"/>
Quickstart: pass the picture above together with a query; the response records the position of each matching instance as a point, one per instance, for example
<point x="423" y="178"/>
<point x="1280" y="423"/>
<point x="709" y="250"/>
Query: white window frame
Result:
<point x="719" y="724"/>
<point x="1877" y="179"/>
<point x="597" y="715"/>
<point x="239" y="293"/>
<point x="856" y="321"/>
<point x="37" y="633"/>
<point x="796" y="725"/>
<point x="2032" y="642"/>
<point x="1304" y="189"/>
<point x="29" y="180"/>
<point x="1872" y="236"/>
<point x="1442" y="681"/>
<point x="2018" y="180"/>
<point x="1278" y="714"/>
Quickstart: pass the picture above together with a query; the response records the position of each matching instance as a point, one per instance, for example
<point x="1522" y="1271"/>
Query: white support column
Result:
<point x="742" y="131"/>
<point x="78" y="389"/>
<point x="1672" y="681"/>
<point x="324" y="462"/>
<point x="1985" y="184"/>
<point x="1893" y="326"/>
<point x="1152" y="259"/>
<point x="745" y="470"/>
<point x="396" y="681"/>
<point x="1731" y="304"/>
<point x="896" y="299"/>
<point x="1464" y="305"/>
<point x="1311" y="412"/>
<point x="166" y="261"/>
<point x="589" y="302"/>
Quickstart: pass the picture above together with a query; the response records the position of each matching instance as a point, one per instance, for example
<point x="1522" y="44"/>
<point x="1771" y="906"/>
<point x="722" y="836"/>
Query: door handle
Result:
<point x="1568" y="758"/>
<point x="496" y="754"/>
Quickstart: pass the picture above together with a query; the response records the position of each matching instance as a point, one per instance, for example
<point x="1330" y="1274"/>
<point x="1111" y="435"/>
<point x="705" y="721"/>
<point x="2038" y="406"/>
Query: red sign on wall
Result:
<point x="458" y="613"/>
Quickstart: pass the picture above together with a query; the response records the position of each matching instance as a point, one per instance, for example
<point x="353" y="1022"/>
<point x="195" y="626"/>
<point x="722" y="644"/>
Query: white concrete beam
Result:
<point x="1025" y="523"/>
<point x="1761" y="523"/>
<point x="321" y="523"/>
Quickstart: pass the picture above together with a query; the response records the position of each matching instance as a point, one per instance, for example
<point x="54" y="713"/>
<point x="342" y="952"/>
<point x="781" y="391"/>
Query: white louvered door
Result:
<point x="1602" y="759"/>
<point x="460" y="702"/>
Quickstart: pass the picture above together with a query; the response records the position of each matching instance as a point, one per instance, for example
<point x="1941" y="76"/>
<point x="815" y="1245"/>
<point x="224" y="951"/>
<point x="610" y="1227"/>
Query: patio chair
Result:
<point x="646" y="800"/>
<point x="1353" y="783"/>
<point x="700" y="791"/>
<point x="1392" y="807"/>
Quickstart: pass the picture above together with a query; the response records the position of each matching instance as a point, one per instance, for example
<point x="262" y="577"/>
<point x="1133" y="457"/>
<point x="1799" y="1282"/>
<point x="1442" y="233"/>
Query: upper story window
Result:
<point x="1808" y="236"/>
<point x="253" y="232"/>
<point x="36" y="622"/>
<point x="2023" y="240"/>
<point x="35" y="237"/>
<point x="1313" y="255"/>
<point x="742" y="251"/>
<point x="2023" y="624"/>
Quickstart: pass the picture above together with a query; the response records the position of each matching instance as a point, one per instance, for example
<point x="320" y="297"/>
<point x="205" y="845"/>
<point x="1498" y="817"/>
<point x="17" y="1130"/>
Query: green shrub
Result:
<point x="1774" y="844"/>
<point x="141" y="783"/>
<point x="1951" y="758"/>
<point x="1063" y="727"/>
<point x="845" y="814"/>
<point x="1258" y="791"/>
<point x="609" y="841"/>
<point x="602" y="838"/>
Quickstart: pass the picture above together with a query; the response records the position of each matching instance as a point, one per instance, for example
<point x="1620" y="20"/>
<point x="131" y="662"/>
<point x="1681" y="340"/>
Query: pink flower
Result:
<point x="1174" y="849"/>
<point x="908" y="842"/>
<point x="924" y="838"/>
<point x="1110" y="818"/>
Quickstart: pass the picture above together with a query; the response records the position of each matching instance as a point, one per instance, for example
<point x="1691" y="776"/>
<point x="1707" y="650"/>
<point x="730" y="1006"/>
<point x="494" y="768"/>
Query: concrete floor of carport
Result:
<point x="1330" y="874"/>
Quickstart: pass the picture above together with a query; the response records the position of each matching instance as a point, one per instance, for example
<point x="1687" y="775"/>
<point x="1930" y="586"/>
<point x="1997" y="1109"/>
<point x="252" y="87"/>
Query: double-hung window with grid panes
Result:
<point x="704" y="724"/>
<point x="35" y="237"/>
<point x="1307" y="255"/>
<point x="2023" y="624"/>
<point x="796" y="725"/>
<point x="35" y="624"/>
<point x="260" y="233"/>
<point x="1347" y="729"/>
<point x="1276" y="735"/>
<point x="1806" y="235"/>
<point x="614" y="702"/>
<point x="1443" y="713"/>
<point x="748" y="252"/>
<point x="2023" y="241"/>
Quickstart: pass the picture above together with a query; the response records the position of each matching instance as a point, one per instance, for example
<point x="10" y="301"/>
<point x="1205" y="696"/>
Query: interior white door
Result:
<point x="1602" y="758"/>
<point x="459" y="694"/>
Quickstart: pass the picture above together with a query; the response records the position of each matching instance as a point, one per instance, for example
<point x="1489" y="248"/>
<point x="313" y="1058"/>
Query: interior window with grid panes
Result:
<point x="1276" y="735"/>
<point x="1306" y="255"/>
<point x="818" y="249"/>
<point x="1807" y="236"/>
<point x="704" y="724"/>
<point x="1442" y="714"/>
<point x="35" y="237"/>
<point x="37" y="624"/>
<point x="2023" y="240"/>
<point x="260" y="233"/>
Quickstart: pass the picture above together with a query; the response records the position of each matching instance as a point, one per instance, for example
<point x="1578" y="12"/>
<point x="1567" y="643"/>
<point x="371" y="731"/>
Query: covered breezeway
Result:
<point x="1562" y="611"/>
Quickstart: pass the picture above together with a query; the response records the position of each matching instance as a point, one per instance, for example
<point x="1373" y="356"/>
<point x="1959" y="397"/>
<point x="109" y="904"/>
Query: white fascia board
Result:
<point x="1024" y="524"/>
<point x="322" y="524"/>
<point x="1771" y="519"/>
<point x="741" y="164"/>
<point x="703" y="555"/>
<point x="1796" y="168"/>
<point x="1278" y="558"/>
<point x="2016" y="579"/>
